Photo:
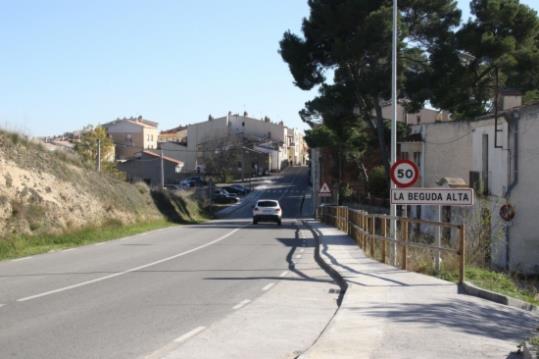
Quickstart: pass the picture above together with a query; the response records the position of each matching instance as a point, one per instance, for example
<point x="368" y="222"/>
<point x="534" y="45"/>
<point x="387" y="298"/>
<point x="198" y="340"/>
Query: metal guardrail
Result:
<point x="362" y="226"/>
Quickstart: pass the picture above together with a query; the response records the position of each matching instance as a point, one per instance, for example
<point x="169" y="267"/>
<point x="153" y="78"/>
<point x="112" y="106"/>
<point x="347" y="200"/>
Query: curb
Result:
<point x="341" y="282"/>
<point x="327" y="267"/>
<point x="470" y="289"/>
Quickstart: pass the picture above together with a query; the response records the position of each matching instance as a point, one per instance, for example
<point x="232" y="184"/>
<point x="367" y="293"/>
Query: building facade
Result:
<point x="132" y="135"/>
<point x="500" y="160"/>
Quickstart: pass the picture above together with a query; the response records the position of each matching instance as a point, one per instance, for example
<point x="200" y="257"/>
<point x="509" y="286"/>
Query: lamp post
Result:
<point x="393" y="208"/>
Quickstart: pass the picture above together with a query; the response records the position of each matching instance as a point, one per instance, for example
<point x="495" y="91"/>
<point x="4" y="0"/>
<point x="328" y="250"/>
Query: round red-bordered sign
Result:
<point x="404" y="173"/>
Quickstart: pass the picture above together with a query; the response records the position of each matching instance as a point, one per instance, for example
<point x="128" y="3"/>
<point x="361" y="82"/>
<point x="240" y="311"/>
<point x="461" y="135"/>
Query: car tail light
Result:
<point x="255" y="209"/>
<point x="278" y="210"/>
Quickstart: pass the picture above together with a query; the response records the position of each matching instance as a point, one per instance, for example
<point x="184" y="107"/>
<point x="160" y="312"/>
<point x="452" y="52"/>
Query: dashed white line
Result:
<point x="283" y="274"/>
<point x="241" y="304"/>
<point x="302" y="250"/>
<point x="268" y="286"/>
<point x="298" y="256"/>
<point x="21" y="259"/>
<point x="113" y="275"/>
<point x="190" y="334"/>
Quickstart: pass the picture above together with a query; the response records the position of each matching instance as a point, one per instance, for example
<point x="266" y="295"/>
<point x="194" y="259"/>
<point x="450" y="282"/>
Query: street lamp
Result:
<point x="393" y="208"/>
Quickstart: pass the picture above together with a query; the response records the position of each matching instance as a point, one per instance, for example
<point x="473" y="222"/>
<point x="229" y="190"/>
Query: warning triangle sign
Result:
<point x="325" y="188"/>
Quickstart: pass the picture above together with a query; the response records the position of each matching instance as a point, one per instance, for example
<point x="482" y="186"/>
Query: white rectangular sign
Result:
<point x="433" y="196"/>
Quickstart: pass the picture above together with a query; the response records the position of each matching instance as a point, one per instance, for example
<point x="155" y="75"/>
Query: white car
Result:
<point x="267" y="210"/>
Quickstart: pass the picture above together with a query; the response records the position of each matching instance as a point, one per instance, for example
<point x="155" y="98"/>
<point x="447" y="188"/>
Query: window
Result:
<point x="404" y="155"/>
<point x="417" y="159"/>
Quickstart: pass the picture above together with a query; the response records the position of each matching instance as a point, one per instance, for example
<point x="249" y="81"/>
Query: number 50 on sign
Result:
<point x="404" y="173"/>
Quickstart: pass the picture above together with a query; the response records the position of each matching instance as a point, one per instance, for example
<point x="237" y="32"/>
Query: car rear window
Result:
<point x="267" y="204"/>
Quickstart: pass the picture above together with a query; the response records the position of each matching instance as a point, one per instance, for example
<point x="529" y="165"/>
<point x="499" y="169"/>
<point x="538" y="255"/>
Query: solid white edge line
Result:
<point x="241" y="304"/>
<point x="190" y="334"/>
<point x="283" y="274"/>
<point x="110" y="276"/>
<point x="21" y="259"/>
<point x="268" y="286"/>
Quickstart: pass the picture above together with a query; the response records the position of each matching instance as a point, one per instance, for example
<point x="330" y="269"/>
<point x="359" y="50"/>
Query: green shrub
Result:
<point x="378" y="184"/>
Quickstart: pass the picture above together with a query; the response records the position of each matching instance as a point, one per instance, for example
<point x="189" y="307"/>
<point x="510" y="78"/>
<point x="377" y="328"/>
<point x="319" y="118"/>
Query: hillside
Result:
<point x="43" y="192"/>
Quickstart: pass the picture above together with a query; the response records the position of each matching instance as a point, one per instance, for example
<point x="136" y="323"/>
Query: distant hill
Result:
<point x="43" y="191"/>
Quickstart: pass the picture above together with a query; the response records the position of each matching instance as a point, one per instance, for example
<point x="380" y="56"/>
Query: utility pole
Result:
<point x="98" y="164"/>
<point x="242" y="164"/>
<point x="162" y="182"/>
<point x="393" y="208"/>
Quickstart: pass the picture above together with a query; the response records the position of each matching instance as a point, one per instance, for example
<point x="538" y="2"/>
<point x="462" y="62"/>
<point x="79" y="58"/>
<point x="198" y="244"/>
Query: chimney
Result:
<point x="509" y="98"/>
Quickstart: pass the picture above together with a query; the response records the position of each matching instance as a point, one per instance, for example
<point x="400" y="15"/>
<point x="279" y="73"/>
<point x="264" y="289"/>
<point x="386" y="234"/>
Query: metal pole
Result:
<point x="98" y="155"/>
<point x="162" y="182"/>
<point x="393" y="208"/>
<point x="437" y="263"/>
<point x="242" y="163"/>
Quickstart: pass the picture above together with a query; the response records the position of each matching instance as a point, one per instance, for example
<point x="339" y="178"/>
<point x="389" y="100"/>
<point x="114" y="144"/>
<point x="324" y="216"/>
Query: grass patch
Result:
<point x="494" y="281"/>
<point x="22" y="246"/>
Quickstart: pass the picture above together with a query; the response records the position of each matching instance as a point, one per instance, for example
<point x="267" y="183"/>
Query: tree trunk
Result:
<point x="381" y="139"/>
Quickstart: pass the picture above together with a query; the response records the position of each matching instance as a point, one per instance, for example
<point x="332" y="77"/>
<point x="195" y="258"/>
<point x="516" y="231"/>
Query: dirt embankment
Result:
<point x="54" y="192"/>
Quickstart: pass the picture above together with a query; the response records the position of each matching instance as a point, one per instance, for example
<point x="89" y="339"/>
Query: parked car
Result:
<point x="173" y="187"/>
<point x="267" y="210"/>
<point x="237" y="189"/>
<point x="222" y="196"/>
<point x="194" y="181"/>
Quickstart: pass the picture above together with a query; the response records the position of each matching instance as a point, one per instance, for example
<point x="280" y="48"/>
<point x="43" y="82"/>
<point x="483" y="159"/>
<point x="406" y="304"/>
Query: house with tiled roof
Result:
<point x="132" y="135"/>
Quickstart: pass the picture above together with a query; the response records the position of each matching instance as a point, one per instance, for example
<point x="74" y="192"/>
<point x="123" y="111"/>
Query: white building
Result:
<point x="502" y="166"/>
<point x="286" y="142"/>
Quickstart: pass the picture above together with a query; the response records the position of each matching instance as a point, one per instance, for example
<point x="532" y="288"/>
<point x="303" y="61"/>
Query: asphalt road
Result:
<point x="152" y="294"/>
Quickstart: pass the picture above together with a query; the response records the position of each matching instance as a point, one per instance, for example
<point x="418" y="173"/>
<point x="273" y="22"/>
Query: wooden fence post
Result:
<point x="384" y="234"/>
<point x="373" y="239"/>
<point x="462" y="252"/>
<point x="404" y="231"/>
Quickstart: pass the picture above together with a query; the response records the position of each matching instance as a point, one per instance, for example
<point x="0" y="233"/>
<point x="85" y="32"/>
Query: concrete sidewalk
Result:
<point x="390" y="313"/>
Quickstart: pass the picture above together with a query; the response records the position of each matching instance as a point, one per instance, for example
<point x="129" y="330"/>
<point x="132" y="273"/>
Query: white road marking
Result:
<point x="113" y="275"/>
<point x="268" y="286"/>
<point x="302" y="250"/>
<point x="21" y="259"/>
<point x="190" y="334"/>
<point x="298" y="256"/>
<point x="99" y="244"/>
<point x="68" y="250"/>
<point x="241" y="304"/>
<point x="1" y="305"/>
<point x="283" y="274"/>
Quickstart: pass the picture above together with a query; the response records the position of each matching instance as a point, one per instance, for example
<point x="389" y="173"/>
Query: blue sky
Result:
<point x="66" y="64"/>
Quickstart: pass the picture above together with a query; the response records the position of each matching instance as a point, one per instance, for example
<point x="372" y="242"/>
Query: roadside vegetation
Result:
<point x="503" y="283"/>
<point x="24" y="245"/>
<point x="54" y="199"/>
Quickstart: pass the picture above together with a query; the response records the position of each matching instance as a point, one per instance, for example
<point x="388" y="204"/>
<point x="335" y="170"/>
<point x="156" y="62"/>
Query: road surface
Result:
<point x="225" y="288"/>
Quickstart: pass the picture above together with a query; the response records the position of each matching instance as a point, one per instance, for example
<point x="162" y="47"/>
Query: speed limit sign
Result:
<point x="404" y="173"/>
